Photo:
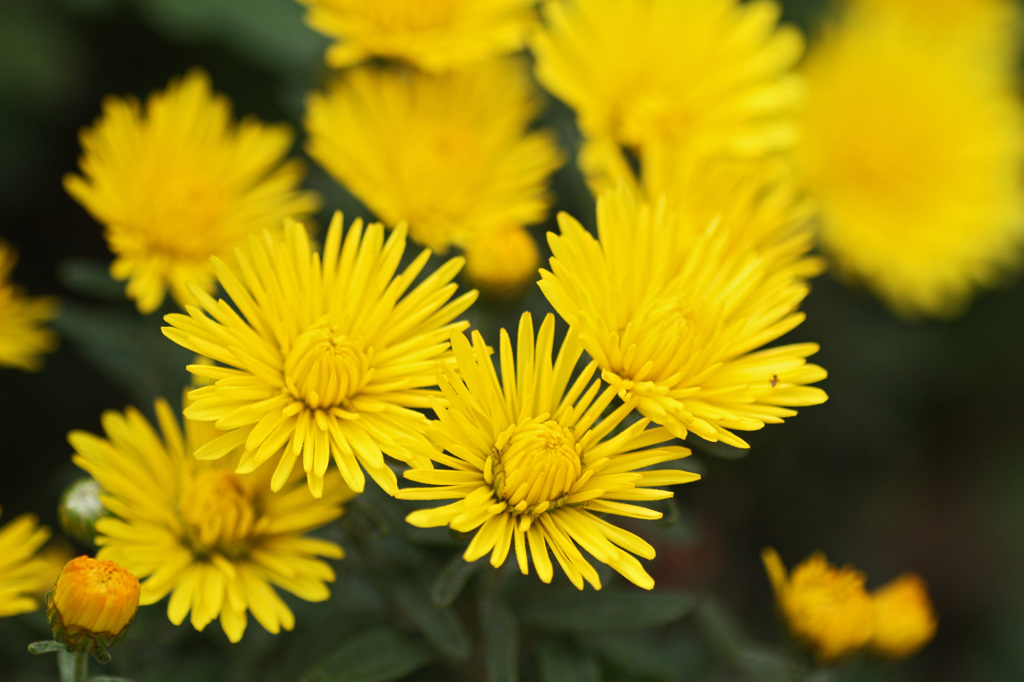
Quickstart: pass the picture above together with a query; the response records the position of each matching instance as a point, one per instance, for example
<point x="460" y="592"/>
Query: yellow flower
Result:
<point x="214" y="540"/>
<point x="914" y="152"/>
<point x="179" y="182"/>
<point x="23" y="339"/>
<point x="503" y="262"/>
<point x="530" y="462"/>
<point x="323" y="355"/>
<point x="713" y="75"/>
<point x="904" y="619"/>
<point x="448" y="153"/>
<point x="674" y="314"/>
<point x="21" y="569"/>
<point x="434" y="35"/>
<point x="824" y="606"/>
<point x="92" y="605"/>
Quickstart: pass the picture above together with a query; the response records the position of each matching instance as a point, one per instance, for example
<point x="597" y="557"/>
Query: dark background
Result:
<point x="914" y="463"/>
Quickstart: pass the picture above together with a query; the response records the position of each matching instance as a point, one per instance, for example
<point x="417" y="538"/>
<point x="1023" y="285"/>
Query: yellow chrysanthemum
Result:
<point x="502" y="262"/>
<point x="434" y="35"/>
<point x="914" y="151"/>
<point x="23" y="339"/>
<point x="217" y="542"/>
<point x="448" y="153"/>
<point x="824" y="606"/>
<point x="323" y="355"/>
<point x="675" y="315"/>
<point x="21" y="569"/>
<point x="530" y="461"/>
<point x="904" y="619"/>
<point x="179" y="182"/>
<point x="713" y="75"/>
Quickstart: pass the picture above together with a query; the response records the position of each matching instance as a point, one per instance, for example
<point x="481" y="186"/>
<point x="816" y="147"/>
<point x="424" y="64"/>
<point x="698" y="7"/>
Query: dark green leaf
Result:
<point x="90" y="277"/>
<point x="606" y="611"/>
<point x="559" y="663"/>
<point x="439" y="626"/>
<point x="45" y="647"/>
<point x="451" y="579"/>
<point x="719" y="629"/>
<point x="380" y="654"/>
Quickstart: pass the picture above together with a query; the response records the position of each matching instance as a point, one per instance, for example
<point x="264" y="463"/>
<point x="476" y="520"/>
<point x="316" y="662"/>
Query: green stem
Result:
<point x="74" y="667"/>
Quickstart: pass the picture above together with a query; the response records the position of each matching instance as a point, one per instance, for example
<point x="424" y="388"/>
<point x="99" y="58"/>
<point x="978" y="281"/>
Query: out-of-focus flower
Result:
<point x="434" y="35"/>
<point x="904" y="619"/>
<point x="214" y="540"/>
<point x="530" y="462"/>
<point x="674" y="315"/>
<point x="714" y="76"/>
<point x="824" y="606"/>
<point x="502" y="262"/>
<point x="23" y="339"/>
<point x="92" y="605"/>
<point x="21" y="569"/>
<point x="323" y="355"/>
<point x="913" y="149"/>
<point x="450" y="154"/>
<point x="180" y="181"/>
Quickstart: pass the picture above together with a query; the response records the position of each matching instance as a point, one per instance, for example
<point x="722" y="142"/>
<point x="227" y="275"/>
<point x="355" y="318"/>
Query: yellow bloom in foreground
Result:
<point x="23" y="339"/>
<point x="448" y="153"/>
<point x="714" y="75"/>
<point x="92" y="605"/>
<point x="675" y="315"/>
<point x="323" y="355"/>
<point x="914" y="151"/>
<point x="434" y="35"/>
<point x="215" y="541"/>
<point x="180" y="181"/>
<point x="21" y="569"/>
<point x="904" y="619"/>
<point x="530" y="461"/>
<point x="824" y="606"/>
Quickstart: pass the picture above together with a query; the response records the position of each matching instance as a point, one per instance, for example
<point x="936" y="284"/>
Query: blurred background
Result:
<point x="916" y="462"/>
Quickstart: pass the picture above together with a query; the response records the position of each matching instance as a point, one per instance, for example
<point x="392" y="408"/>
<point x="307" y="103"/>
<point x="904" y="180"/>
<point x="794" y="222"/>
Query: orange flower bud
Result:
<point x="92" y="605"/>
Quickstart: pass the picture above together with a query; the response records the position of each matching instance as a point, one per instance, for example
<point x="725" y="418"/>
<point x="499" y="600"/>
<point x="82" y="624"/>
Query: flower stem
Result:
<point x="74" y="667"/>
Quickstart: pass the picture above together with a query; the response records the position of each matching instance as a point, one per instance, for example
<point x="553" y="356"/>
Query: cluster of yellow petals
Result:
<point x="24" y="572"/>
<point x="95" y="596"/>
<point x="23" y="338"/>
<point x="829" y="609"/>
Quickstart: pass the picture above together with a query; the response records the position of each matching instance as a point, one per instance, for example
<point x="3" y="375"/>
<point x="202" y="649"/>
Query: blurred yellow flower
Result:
<point x="824" y="606"/>
<point x="22" y="570"/>
<point x="450" y="154"/>
<point x="712" y="75"/>
<point x="914" y="152"/>
<point x="214" y="540"/>
<point x="502" y="262"/>
<point x="434" y="35"/>
<point x="324" y="355"/>
<point x="904" y="620"/>
<point x="23" y="339"/>
<point x="180" y="181"/>
<point x="530" y="462"/>
<point x="674" y="314"/>
<point x="92" y="604"/>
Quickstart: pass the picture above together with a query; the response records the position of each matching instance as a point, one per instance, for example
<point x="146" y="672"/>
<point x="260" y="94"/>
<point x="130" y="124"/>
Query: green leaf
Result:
<point x="380" y="654"/>
<point x="653" y="656"/>
<point x="90" y="277"/>
<point x="606" y="610"/>
<point x="559" y="663"/>
<point x="452" y="577"/>
<point x="721" y="632"/>
<point x="501" y="638"/>
<point x="47" y="646"/>
<point x="439" y="626"/>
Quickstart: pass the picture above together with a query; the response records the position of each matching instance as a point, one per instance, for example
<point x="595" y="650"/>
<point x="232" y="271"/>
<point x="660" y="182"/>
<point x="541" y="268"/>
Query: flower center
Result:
<point x="536" y="467"/>
<point x="219" y="512"/>
<point x="325" y="367"/>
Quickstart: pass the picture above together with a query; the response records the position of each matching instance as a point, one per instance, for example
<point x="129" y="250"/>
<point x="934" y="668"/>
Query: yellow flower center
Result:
<point x="534" y="466"/>
<point x="325" y="367"/>
<point x="219" y="512"/>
